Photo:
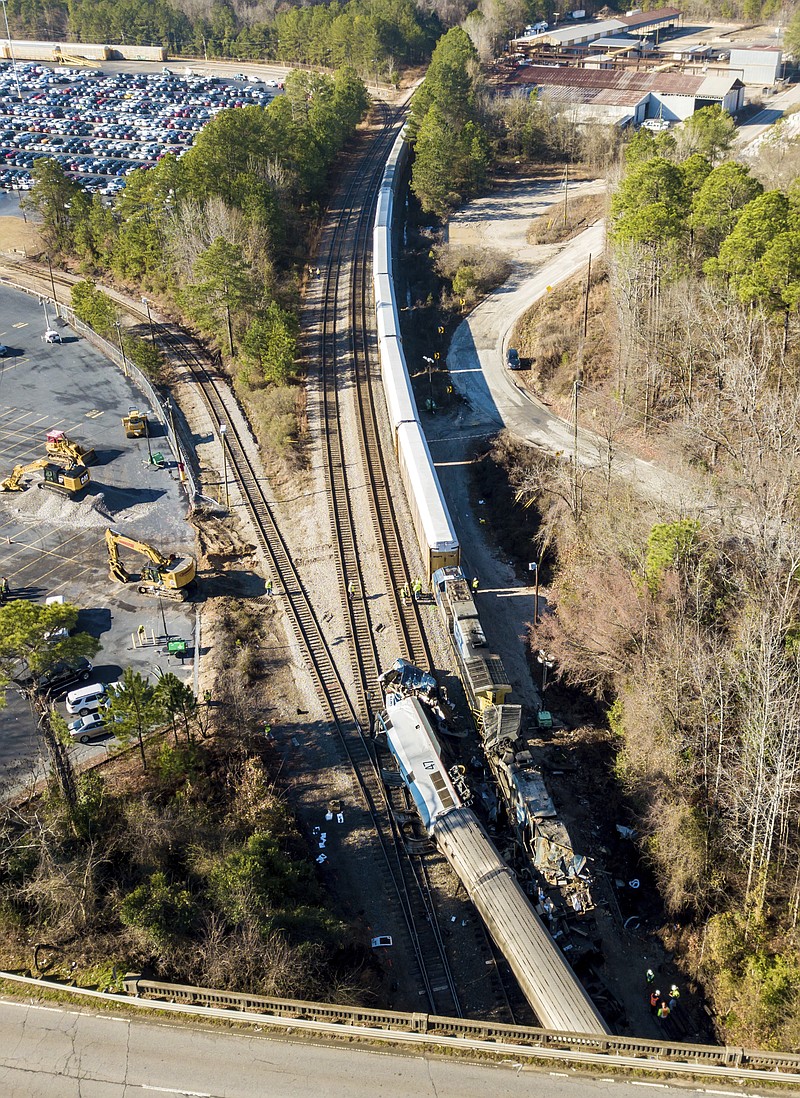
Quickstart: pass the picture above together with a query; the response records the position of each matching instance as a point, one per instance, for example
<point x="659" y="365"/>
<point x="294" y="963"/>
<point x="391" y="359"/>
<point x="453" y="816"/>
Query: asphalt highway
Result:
<point x="50" y="1052"/>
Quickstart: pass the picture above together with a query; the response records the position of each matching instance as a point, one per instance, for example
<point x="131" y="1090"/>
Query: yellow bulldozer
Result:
<point x="68" y="482"/>
<point x="164" y="576"/>
<point x="58" y="445"/>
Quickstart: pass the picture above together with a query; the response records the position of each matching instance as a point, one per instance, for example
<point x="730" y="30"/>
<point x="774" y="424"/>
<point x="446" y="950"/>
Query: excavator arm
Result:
<point x="113" y="539"/>
<point x="67" y="481"/>
<point x="13" y="483"/>
<point x="164" y="575"/>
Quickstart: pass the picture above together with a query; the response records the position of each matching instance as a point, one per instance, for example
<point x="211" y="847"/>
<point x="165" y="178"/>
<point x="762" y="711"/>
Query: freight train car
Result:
<point x="481" y="672"/>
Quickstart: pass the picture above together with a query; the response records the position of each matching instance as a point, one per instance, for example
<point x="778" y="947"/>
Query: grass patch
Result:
<point x="581" y="212"/>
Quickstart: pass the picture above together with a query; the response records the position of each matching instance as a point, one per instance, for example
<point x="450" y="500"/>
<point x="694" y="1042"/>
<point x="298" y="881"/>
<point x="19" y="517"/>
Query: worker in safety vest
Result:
<point x="417" y="589"/>
<point x="663" y="1012"/>
<point x="474" y="585"/>
<point x="654" y="997"/>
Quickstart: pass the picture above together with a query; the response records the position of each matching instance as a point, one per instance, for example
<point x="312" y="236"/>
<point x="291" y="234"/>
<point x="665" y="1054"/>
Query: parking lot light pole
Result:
<point x="52" y="284"/>
<point x="146" y="304"/>
<point x="11" y="48"/>
<point x="223" y="430"/>
<point x="425" y="358"/>
<point x="121" y="348"/>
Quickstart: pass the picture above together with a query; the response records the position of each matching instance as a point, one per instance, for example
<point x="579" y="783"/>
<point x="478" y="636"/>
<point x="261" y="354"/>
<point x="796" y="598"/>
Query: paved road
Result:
<point x="772" y="112"/>
<point x="476" y="359"/>
<point x="47" y="1052"/>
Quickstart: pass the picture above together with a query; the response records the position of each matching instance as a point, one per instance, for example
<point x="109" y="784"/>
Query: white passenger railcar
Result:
<point x="429" y="510"/>
<point x="432" y="523"/>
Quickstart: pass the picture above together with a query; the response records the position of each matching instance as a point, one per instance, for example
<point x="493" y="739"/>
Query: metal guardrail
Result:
<point x="504" y="1043"/>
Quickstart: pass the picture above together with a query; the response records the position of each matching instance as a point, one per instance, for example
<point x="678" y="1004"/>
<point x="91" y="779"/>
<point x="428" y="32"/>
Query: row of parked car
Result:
<point x="102" y="126"/>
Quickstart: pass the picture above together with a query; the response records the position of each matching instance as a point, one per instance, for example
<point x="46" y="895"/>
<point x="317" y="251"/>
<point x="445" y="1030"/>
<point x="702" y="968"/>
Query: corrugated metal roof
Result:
<point x="650" y="18"/>
<point x="624" y="80"/>
<point x="613" y="97"/>
<point x="755" y="49"/>
<point x="576" y="32"/>
<point x="714" y="86"/>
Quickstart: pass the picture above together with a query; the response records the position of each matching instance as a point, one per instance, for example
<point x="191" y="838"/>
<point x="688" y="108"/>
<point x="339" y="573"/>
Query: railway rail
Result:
<point x="346" y="290"/>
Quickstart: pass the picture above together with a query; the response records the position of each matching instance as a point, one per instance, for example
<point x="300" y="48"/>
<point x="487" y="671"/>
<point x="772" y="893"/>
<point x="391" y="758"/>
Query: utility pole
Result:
<point x="223" y="430"/>
<point x="586" y="298"/>
<point x="146" y="304"/>
<point x="52" y="284"/>
<point x="566" y="192"/>
<point x="11" y="48"/>
<point x="121" y="348"/>
<point x="576" y="387"/>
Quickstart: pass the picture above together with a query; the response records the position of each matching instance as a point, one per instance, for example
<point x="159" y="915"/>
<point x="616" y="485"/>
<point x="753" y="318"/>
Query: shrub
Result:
<point x="94" y="308"/>
<point x="161" y="910"/>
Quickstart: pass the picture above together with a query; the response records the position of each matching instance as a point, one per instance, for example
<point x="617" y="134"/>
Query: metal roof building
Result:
<point x="756" y="64"/>
<point x="670" y="95"/>
<point x="574" y="35"/>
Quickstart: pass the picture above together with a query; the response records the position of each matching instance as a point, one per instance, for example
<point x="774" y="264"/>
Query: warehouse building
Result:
<point x="628" y="97"/>
<point x="757" y="64"/>
<point x="576" y="37"/>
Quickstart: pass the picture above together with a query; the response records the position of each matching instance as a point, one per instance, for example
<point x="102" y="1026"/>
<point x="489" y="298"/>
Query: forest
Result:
<point x="676" y="604"/>
<point x="379" y="37"/>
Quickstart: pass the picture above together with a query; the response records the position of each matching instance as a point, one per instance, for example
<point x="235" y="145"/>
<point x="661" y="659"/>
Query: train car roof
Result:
<point x="426" y="489"/>
<point x="414" y="745"/>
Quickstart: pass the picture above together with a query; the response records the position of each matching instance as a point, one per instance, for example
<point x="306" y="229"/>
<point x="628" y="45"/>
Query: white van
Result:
<point x="86" y="699"/>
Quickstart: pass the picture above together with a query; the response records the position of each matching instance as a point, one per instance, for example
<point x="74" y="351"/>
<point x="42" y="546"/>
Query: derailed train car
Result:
<point x="543" y="973"/>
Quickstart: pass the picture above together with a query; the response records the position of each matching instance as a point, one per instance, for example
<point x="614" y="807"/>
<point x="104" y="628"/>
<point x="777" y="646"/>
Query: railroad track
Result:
<point x="346" y="292"/>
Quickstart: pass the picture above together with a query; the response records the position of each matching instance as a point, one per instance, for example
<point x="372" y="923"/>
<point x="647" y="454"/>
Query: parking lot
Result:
<point x="54" y="545"/>
<point x="100" y="126"/>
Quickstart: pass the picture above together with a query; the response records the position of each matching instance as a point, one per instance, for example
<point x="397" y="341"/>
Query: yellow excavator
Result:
<point x="58" y="445"/>
<point x="135" y="424"/>
<point x="165" y="576"/>
<point x="67" y="481"/>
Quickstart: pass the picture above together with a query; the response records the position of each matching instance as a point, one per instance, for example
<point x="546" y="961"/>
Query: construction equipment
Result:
<point x="164" y="576"/>
<point x="135" y="423"/>
<point x="58" y="445"/>
<point x="68" y="481"/>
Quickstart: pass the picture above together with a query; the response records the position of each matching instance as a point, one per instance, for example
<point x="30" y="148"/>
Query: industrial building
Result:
<point x="577" y="36"/>
<point x="757" y="64"/>
<point x="625" y="96"/>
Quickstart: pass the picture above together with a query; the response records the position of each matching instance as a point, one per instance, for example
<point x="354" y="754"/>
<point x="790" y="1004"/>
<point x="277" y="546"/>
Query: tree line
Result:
<point x="679" y="611"/>
<point x="378" y="36"/>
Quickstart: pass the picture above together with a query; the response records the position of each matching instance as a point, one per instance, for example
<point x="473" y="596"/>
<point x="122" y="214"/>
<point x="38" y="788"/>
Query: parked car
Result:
<point x="87" y="699"/>
<point x="52" y="336"/>
<point x="512" y="359"/>
<point x="88" y="727"/>
<point x="58" y="678"/>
